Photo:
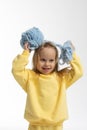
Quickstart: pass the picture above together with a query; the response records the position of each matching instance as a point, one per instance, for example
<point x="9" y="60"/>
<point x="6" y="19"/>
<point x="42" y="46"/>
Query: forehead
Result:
<point x="47" y="52"/>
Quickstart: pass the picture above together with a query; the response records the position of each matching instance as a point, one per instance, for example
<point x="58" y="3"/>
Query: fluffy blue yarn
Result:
<point x="33" y="36"/>
<point x="66" y="52"/>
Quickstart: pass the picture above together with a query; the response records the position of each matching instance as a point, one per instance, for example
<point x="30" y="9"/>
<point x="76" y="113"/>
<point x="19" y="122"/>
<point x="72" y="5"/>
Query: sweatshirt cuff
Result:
<point x="25" y="52"/>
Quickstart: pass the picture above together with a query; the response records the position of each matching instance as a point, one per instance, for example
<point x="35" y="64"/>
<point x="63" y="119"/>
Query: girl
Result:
<point x="45" y="86"/>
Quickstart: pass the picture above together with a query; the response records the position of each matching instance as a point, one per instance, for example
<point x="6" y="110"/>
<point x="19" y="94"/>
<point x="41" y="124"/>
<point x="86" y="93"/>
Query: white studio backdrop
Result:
<point x="59" y="20"/>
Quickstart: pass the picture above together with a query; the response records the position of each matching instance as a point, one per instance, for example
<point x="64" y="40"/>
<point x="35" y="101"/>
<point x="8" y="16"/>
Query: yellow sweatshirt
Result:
<point x="46" y="94"/>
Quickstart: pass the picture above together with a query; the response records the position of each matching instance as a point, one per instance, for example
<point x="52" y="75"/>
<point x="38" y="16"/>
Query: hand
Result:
<point x="26" y="46"/>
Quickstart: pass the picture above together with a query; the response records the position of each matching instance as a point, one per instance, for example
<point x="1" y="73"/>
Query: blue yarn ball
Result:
<point x="33" y="36"/>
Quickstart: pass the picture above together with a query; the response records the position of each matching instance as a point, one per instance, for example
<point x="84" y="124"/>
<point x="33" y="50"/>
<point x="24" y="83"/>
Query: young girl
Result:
<point x="45" y="86"/>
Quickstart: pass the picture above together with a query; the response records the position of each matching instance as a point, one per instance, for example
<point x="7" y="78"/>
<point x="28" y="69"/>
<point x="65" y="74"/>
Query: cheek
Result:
<point x="54" y="64"/>
<point x="39" y="64"/>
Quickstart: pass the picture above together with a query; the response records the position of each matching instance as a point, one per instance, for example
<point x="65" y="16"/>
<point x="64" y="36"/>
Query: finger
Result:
<point x="26" y="46"/>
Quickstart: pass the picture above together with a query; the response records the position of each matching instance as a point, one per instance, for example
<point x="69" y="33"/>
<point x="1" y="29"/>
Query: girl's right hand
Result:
<point x="26" y="46"/>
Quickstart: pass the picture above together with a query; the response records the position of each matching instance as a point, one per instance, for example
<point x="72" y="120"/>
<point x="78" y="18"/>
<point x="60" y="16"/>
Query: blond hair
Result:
<point x="38" y="50"/>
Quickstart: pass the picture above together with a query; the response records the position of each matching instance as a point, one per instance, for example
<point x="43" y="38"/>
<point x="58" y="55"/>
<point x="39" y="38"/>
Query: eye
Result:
<point x="42" y="59"/>
<point x="51" y="60"/>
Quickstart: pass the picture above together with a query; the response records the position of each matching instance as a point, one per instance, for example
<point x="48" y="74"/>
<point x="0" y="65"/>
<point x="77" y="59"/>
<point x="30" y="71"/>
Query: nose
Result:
<point x="47" y="63"/>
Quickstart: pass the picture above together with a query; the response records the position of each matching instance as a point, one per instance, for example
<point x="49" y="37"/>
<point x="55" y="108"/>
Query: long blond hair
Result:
<point x="37" y="52"/>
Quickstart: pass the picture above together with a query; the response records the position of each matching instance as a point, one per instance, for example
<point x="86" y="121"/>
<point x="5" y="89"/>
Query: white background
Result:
<point x="59" y="20"/>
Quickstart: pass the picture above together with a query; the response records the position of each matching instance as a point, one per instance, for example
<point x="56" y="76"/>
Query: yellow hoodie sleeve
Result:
<point x="19" y="71"/>
<point x="74" y="73"/>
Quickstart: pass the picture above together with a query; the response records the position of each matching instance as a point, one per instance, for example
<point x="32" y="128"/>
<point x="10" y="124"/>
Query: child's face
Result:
<point x="46" y="60"/>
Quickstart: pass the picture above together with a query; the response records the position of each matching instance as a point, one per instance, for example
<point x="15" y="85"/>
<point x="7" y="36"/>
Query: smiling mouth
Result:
<point x="46" y="69"/>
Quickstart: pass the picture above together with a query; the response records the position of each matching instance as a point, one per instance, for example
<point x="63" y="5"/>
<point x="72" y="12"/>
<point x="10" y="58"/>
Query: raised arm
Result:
<point x="73" y="74"/>
<point x="19" y="70"/>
